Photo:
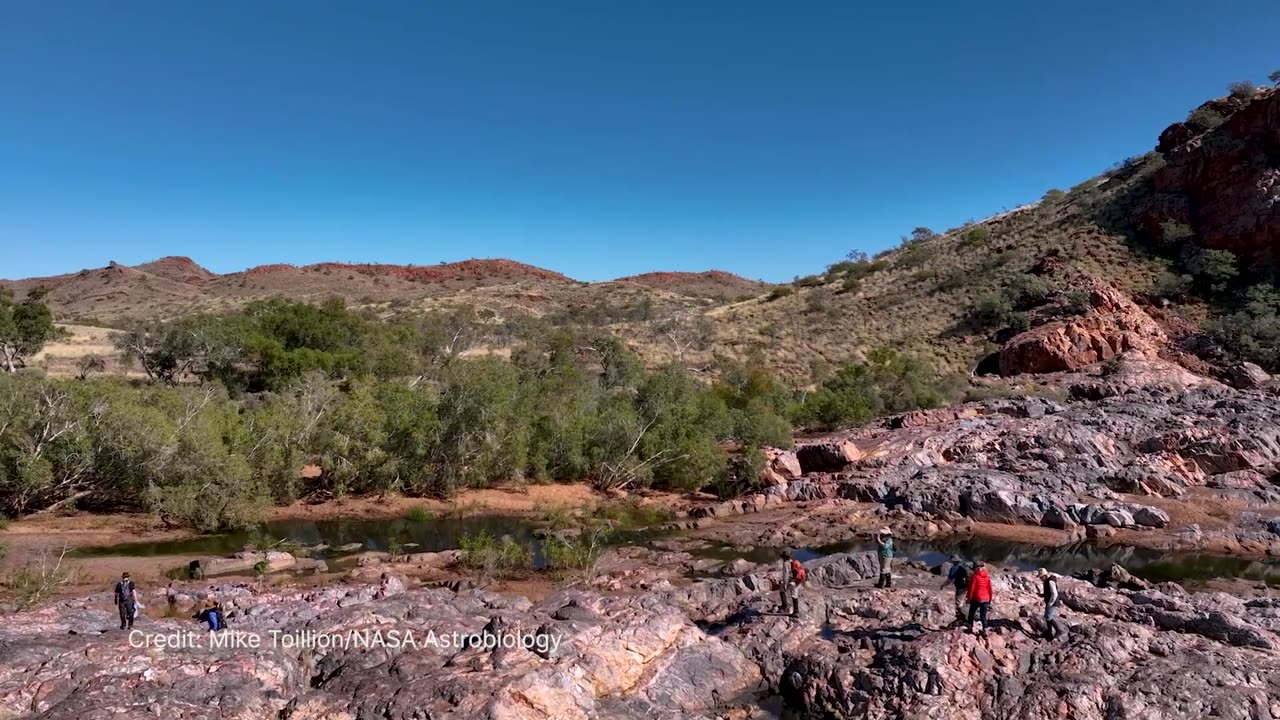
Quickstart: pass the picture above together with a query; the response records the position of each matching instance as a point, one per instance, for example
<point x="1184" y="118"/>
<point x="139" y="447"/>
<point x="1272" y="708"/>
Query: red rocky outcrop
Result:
<point x="1113" y="324"/>
<point x="1224" y="183"/>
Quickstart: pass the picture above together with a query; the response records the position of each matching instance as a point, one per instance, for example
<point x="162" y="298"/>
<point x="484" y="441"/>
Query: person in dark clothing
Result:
<point x="1052" y="600"/>
<point x="126" y="601"/>
<point x="211" y="614"/>
<point x="979" y="595"/>
<point x="958" y="580"/>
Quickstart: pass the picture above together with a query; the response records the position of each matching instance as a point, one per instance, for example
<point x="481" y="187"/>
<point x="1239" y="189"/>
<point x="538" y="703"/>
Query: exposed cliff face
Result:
<point x="1224" y="182"/>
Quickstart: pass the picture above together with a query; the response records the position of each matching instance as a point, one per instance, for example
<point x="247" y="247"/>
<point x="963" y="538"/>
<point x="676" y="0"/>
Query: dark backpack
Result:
<point x="797" y="572"/>
<point x="962" y="577"/>
<point x="124" y="591"/>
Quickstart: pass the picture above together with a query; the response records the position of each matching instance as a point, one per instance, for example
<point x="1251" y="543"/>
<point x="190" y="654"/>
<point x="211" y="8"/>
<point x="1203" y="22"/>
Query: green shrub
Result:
<point x="742" y="475"/>
<point x="1053" y="195"/>
<point x="1076" y="302"/>
<point x="1172" y="286"/>
<point x="1173" y="234"/>
<point x="1214" y="269"/>
<point x="886" y="383"/>
<point x="419" y="514"/>
<point x="779" y="292"/>
<point x="851" y="284"/>
<point x="1203" y="119"/>
<point x="1253" y="331"/>
<point x="1274" y="77"/>
<point x="1242" y="89"/>
<point x="975" y="236"/>
<point x="1028" y="291"/>
<point x="809" y="281"/>
<point x="578" y="555"/>
<point x="630" y="515"/>
<point x="492" y="556"/>
<point x="953" y="279"/>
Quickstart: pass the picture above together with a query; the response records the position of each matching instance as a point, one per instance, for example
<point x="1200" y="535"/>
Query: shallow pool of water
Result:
<point x="398" y="534"/>
<point x="444" y="533"/>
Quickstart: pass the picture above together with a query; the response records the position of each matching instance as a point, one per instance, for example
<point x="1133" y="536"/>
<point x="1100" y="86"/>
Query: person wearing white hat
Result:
<point x="884" y="551"/>
<point x="1049" y="592"/>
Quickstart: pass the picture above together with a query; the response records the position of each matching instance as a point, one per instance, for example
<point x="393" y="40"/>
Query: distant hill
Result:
<point x="715" y="284"/>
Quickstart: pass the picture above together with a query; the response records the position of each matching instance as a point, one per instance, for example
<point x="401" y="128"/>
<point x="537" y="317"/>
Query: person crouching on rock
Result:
<point x="979" y="595"/>
<point x="211" y="614"/>
<point x="958" y="580"/>
<point x="793" y="576"/>
<point x="1049" y="591"/>
<point x="884" y="551"/>
<point x="126" y="601"/>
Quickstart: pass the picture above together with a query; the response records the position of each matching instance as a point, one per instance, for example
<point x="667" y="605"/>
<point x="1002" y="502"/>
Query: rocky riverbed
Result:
<point x="677" y="649"/>
<point x="1146" y="454"/>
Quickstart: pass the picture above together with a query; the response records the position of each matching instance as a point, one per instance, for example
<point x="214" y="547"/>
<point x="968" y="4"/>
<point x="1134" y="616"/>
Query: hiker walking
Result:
<point x="793" y="576"/>
<point x="958" y="581"/>
<point x="126" y="601"/>
<point x="1052" y="600"/>
<point x="979" y="595"/>
<point x="884" y="551"/>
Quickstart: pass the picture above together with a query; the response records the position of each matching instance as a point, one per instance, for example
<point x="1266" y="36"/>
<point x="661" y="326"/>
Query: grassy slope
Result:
<point x="919" y="301"/>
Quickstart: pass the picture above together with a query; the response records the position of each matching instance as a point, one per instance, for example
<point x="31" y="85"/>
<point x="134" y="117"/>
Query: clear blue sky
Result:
<point x="597" y="137"/>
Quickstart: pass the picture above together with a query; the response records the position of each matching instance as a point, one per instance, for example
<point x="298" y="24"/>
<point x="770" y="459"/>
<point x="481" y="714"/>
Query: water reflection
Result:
<point x="444" y="533"/>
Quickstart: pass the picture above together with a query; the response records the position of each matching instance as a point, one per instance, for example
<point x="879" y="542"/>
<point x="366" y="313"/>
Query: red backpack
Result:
<point x="797" y="572"/>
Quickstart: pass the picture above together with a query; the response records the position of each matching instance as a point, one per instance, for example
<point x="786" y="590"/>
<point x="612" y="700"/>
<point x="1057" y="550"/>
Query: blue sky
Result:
<point x="599" y="138"/>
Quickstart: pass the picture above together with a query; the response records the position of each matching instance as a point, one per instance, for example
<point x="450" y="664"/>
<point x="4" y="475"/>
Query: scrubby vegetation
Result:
<point x="236" y="405"/>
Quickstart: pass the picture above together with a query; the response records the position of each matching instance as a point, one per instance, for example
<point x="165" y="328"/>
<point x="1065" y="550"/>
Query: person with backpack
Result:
<point x="211" y="615"/>
<point x="1052" y="600"/>
<point x="884" y="552"/>
<point x="793" y="576"/>
<point x="126" y="601"/>
<point x="958" y="581"/>
<point x="979" y="595"/>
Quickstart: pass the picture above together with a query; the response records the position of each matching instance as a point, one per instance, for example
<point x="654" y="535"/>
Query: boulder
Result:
<point x="831" y="455"/>
<point x="1246" y="376"/>
<point x="781" y="466"/>
<point x="1113" y="325"/>
<point x="1148" y="516"/>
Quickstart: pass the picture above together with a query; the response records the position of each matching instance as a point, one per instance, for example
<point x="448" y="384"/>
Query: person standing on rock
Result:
<point x="126" y="601"/>
<point x="979" y="595"/>
<point x="884" y="551"/>
<point x="958" y="581"/>
<point x="1049" y="591"/>
<point x="793" y="576"/>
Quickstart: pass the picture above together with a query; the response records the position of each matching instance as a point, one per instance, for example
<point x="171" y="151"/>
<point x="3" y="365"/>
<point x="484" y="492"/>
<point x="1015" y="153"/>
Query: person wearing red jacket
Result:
<point x="979" y="595"/>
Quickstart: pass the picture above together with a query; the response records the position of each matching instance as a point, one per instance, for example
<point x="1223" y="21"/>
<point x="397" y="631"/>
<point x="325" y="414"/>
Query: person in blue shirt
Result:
<point x="958" y="580"/>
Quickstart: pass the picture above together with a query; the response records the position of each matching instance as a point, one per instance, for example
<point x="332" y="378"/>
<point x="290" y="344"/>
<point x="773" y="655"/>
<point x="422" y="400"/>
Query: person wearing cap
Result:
<point x="884" y="551"/>
<point x="979" y="595"/>
<point x="1049" y="592"/>
<point x="126" y="601"/>
<point x="793" y="576"/>
<point x="958" y="580"/>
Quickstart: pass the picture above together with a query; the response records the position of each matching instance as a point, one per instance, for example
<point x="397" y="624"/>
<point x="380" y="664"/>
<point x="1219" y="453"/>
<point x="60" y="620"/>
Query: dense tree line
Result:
<point x="235" y="406"/>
